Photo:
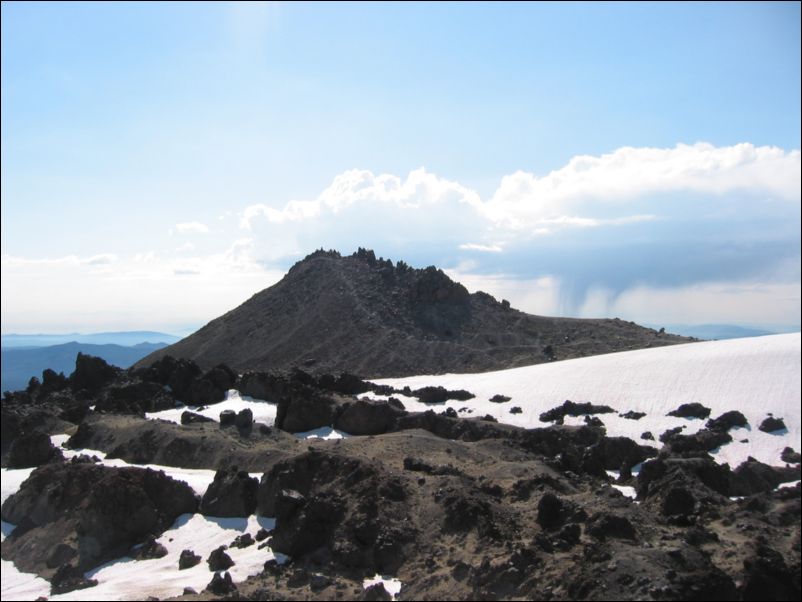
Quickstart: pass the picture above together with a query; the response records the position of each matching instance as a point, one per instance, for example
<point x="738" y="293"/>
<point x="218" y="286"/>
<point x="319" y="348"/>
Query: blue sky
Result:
<point x="162" y="162"/>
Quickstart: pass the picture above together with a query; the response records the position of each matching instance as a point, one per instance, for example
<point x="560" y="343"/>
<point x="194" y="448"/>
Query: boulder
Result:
<point x="441" y="394"/>
<point x="221" y="584"/>
<point x="498" y="398"/>
<point x="791" y="456"/>
<point x="691" y="410"/>
<point x="569" y="408"/>
<point x="604" y="525"/>
<point x="99" y="511"/>
<point x="33" y="449"/>
<point x="232" y="493"/>
<point x="69" y="578"/>
<point x="188" y="417"/>
<point x="727" y="421"/>
<point x="188" y="559"/>
<point x="366" y="417"/>
<point x="244" y="419"/>
<point x="228" y="418"/>
<point x="218" y="560"/>
<point x="772" y="424"/>
<point x="92" y="373"/>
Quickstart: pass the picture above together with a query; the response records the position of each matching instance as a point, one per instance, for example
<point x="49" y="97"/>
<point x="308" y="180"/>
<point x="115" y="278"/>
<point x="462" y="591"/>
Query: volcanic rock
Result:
<point x="691" y="410"/>
<point x="98" y="511"/>
<point x="727" y="421"/>
<point x="33" y="449"/>
<point x="771" y="424"/>
<point x="384" y="319"/>
<point x="232" y="493"/>
<point x="188" y="559"/>
<point x="218" y="560"/>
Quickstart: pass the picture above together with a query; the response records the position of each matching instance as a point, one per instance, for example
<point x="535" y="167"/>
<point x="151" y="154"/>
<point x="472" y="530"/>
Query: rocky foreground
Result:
<point x="452" y="507"/>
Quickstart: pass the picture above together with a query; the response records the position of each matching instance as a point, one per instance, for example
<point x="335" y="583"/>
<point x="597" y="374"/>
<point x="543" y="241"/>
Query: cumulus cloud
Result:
<point x="191" y="227"/>
<point x="627" y="175"/>
<point x="635" y="217"/>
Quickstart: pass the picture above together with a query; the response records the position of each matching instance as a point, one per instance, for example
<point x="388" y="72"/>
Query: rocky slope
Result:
<point x="453" y="507"/>
<point x="356" y="313"/>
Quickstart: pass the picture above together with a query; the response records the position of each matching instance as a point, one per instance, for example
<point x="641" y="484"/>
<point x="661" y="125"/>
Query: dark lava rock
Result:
<point x="100" y="511"/>
<point x="488" y="418"/>
<point x="550" y="511"/>
<point x="339" y="507"/>
<point x="768" y="577"/>
<point x="244" y="419"/>
<point x="451" y="413"/>
<point x="150" y="549"/>
<point x="92" y="373"/>
<point x="771" y="424"/>
<point x="376" y="593"/>
<point x="727" y="421"/>
<point x="691" y="410"/>
<point x="791" y="456"/>
<point x="632" y="415"/>
<point x="593" y="421"/>
<point x="221" y="584"/>
<point x="232" y="493"/>
<point x="243" y="541"/>
<point x="33" y="449"/>
<point x="752" y="477"/>
<point x="704" y="440"/>
<point x="498" y="398"/>
<point x="305" y="409"/>
<point x="188" y="417"/>
<point x="606" y="525"/>
<point x="69" y="578"/>
<point x="228" y="418"/>
<point x="262" y="534"/>
<point x="678" y="501"/>
<point x="516" y="410"/>
<point x="569" y="408"/>
<point x="441" y="394"/>
<point x="669" y="433"/>
<point x="188" y="559"/>
<point x="188" y="591"/>
<point x="218" y="560"/>
<point x="134" y="397"/>
<point x="366" y="417"/>
<point x="647" y="435"/>
<point x="613" y="453"/>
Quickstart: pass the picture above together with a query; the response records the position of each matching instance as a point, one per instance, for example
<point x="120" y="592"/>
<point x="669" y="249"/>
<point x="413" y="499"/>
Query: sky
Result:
<point x="162" y="162"/>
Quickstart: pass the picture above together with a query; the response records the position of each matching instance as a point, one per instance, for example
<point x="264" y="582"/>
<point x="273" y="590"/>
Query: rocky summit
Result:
<point x="372" y="317"/>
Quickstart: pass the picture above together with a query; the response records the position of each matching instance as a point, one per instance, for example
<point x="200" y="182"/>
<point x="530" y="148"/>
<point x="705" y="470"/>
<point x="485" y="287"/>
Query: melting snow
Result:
<point x="263" y="411"/>
<point x="391" y="585"/>
<point x="754" y="375"/>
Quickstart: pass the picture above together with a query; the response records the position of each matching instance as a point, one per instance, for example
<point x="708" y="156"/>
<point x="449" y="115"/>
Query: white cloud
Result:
<point x="419" y="190"/>
<point x="191" y="227"/>
<point x="67" y="260"/>
<point x="583" y="193"/>
<point x="627" y="175"/>
<point x="469" y="246"/>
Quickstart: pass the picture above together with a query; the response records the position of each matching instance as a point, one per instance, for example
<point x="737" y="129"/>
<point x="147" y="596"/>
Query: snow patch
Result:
<point x="755" y="375"/>
<point x="264" y="412"/>
<point x="391" y="584"/>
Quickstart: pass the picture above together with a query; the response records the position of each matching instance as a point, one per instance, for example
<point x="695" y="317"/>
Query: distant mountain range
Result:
<point x="127" y="338"/>
<point x="376" y="318"/>
<point x="20" y="364"/>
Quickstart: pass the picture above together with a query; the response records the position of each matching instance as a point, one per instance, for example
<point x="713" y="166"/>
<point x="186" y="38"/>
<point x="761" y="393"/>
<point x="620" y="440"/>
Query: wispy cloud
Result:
<point x="191" y="227"/>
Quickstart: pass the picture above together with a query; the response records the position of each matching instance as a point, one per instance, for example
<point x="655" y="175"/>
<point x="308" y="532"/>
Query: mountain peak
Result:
<point x="373" y="317"/>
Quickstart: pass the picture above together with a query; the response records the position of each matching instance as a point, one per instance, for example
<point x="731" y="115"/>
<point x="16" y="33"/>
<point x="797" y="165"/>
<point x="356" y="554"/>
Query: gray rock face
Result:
<point x="232" y="493"/>
<point x="87" y="513"/>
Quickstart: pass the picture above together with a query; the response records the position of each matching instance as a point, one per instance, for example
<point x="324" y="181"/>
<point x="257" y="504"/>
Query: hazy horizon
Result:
<point x="161" y="163"/>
